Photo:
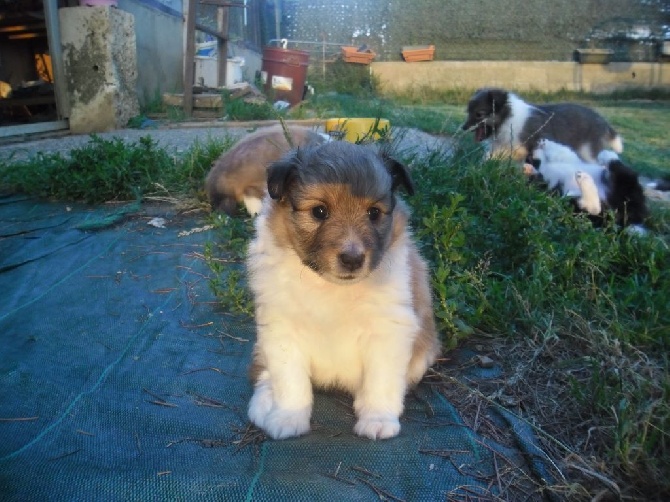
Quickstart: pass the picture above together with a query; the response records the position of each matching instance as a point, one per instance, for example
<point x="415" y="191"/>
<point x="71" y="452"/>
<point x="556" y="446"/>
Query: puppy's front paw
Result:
<point x="529" y="169"/>
<point x="278" y="423"/>
<point x="378" y="426"/>
<point x="261" y="404"/>
<point x="282" y="424"/>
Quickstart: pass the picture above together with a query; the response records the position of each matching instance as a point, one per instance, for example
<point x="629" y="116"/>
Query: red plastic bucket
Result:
<point x="283" y="73"/>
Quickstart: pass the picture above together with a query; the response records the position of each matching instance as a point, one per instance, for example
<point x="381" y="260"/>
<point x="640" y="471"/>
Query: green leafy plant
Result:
<point x="239" y="109"/>
<point x="345" y="78"/>
<point x="225" y="258"/>
<point x="191" y="168"/>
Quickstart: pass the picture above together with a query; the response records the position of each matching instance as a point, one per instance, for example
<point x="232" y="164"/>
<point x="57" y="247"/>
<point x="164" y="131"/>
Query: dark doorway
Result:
<point x="30" y="98"/>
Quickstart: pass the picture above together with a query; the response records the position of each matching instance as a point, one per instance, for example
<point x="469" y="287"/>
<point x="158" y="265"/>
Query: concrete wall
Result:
<point x="520" y="75"/>
<point x="159" y="37"/>
<point x="100" y="66"/>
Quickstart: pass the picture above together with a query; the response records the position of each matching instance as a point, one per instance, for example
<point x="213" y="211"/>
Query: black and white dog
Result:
<point x="594" y="186"/>
<point x="515" y="127"/>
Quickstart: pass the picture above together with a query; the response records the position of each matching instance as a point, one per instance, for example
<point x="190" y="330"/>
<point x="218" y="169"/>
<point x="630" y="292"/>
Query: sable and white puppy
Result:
<point x="515" y="126"/>
<point x="342" y="295"/>
<point x="240" y="174"/>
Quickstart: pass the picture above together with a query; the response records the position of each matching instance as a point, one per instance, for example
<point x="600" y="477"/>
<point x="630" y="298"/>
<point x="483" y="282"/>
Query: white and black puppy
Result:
<point x="240" y="174"/>
<point x="514" y="126"/>
<point x="605" y="184"/>
<point x="342" y="295"/>
<point x="558" y="166"/>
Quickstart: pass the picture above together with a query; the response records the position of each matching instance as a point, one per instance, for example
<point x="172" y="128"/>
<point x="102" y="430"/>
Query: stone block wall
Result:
<point x="543" y="76"/>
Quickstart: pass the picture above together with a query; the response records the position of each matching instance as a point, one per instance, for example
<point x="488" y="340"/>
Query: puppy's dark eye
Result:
<point x="320" y="212"/>
<point x="374" y="213"/>
<point x="480" y="115"/>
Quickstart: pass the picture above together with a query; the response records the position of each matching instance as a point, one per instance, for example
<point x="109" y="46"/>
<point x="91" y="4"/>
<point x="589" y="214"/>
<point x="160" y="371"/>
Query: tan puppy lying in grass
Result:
<point x="240" y="174"/>
<point x="342" y="295"/>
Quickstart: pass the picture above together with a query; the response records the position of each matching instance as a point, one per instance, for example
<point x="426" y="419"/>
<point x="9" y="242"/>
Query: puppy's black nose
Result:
<point x="351" y="260"/>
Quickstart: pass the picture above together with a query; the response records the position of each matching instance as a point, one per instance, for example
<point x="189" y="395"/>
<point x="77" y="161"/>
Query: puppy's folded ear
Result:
<point x="399" y="174"/>
<point x="282" y="173"/>
<point x="497" y="97"/>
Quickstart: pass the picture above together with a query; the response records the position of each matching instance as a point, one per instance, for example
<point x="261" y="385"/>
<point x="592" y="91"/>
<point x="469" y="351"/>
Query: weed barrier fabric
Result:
<point x="120" y="379"/>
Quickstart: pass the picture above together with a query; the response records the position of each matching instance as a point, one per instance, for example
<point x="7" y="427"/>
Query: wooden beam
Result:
<point x="208" y="100"/>
<point x="22" y="27"/>
<point x="277" y="20"/>
<point x="27" y="36"/>
<point x="223" y="3"/>
<point x="222" y="45"/>
<point x="48" y="99"/>
<point x="57" y="63"/>
<point x="210" y="31"/>
<point x="189" y="59"/>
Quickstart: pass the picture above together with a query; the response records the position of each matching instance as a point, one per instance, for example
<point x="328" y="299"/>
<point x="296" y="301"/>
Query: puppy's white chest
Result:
<point x="332" y="325"/>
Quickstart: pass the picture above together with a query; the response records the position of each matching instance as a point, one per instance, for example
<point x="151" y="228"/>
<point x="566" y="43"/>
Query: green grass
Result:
<point x="111" y="169"/>
<point x="643" y="127"/>
<point x="238" y="109"/>
<point x="225" y="258"/>
<point x="639" y="115"/>
<point x="438" y="120"/>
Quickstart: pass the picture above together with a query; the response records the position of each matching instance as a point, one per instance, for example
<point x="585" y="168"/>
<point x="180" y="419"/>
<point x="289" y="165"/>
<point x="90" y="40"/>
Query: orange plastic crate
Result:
<point x="351" y="55"/>
<point x="414" y="53"/>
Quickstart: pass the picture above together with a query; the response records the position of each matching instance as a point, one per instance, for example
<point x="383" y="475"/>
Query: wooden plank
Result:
<point x="48" y="99"/>
<point x="57" y="63"/>
<point x="209" y="31"/>
<point x="222" y="45"/>
<point x="223" y="3"/>
<point x="189" y="59"/>
<point x="197" y="100"/>
<point x="36" y="128"/>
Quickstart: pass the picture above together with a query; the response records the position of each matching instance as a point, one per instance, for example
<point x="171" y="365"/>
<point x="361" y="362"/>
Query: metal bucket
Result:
<point x="283" y="73"/>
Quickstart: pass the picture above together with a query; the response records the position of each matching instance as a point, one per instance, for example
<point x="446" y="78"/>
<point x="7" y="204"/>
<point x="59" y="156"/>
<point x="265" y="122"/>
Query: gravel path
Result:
<point x="173" y="139"/>
<point x="180" y="137"/>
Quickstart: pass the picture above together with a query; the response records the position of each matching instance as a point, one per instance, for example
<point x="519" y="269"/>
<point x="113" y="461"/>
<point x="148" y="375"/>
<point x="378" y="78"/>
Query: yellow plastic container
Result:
<point x="357" y="129"/>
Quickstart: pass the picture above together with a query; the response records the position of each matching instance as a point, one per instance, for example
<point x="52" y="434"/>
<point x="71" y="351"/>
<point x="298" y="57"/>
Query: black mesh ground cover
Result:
<point x="121" y="379"/>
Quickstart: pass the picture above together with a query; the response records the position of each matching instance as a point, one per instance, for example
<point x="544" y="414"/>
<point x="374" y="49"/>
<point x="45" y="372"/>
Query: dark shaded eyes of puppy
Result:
<point x="320" y="212"/>
<point x="374" y="213"/>
<point x="481" y="114"/>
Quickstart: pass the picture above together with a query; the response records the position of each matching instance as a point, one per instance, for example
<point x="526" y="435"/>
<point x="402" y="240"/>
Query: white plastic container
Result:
<point x="206" y="71"/>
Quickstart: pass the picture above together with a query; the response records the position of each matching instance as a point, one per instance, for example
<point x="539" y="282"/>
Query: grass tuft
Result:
<point x="110" y="169"/>
<point x="225" y="258"/>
